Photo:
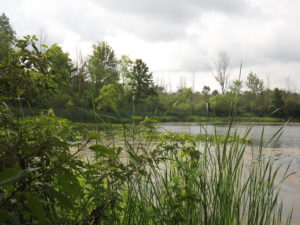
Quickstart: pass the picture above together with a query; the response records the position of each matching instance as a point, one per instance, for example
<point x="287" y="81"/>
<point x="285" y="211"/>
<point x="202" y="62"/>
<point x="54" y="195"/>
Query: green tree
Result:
<point x="236" y="87"/>
<point x="62" y="68"/>
<point x="220" y="104"/>
<point x="125" y="65"/>
<point x="140" y="81"/>
<point x="109" y="98"/>
<point x="277" y="102"/>
<point x="205" y="91"/>
<point x="255" y="85"/>
<point x="184" y="101"/>
<point x="27" y="74"/>
<point x="102" y="65"/>
<point x="61" y="63"/>
<point x="215" y="92"/>
<point x="7" y="37"/>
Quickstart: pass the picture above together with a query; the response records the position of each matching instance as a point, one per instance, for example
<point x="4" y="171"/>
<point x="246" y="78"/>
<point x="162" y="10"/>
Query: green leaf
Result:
<point x="64" y="200"/>
<point x="102" y="150"/>
<point x="15" y="176"/>
<point x="36" y="207"/>
<point x="7" y="218"/>
<point x="20" y="92"/>
<point x="137" y="118"/>
<point x="69" y="183"/>
<point x="3" y="98"/>
<point x="94" y="134"/>
<point x="9" y="172"/>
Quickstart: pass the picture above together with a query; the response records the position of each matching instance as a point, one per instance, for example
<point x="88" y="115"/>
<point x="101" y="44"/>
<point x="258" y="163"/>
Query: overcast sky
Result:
<point x="178" y="39"/>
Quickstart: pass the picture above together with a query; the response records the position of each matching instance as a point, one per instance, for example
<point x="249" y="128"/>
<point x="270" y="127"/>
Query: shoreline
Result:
<point x="179" y="123"/>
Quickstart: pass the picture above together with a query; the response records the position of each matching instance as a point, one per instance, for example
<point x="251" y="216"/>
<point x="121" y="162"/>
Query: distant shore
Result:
<point x="180" y="123"/>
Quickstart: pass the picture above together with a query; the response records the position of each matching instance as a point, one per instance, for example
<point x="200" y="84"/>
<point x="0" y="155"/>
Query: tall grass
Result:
<point x="187" y="182"/>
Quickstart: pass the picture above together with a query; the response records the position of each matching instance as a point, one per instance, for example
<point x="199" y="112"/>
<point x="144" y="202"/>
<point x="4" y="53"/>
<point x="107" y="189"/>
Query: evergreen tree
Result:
<point x="140" y="80"/>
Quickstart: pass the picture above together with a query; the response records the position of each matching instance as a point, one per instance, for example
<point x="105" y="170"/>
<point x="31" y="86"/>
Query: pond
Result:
<point x="284" y="150"/>
<point x="290" y="133"/>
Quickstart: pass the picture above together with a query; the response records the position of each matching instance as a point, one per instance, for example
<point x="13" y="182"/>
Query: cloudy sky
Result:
<point x="178" y="39"/>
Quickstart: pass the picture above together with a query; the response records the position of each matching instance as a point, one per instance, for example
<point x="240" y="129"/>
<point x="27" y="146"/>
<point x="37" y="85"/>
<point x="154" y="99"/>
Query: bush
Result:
<point x="221" y="104"/>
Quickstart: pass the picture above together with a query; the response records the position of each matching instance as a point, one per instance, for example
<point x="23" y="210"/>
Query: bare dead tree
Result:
<point x="221" y="71"/>
<point x="182" y="82"/>
<point x="193" y="82"/>
<point x="42" y="40"/>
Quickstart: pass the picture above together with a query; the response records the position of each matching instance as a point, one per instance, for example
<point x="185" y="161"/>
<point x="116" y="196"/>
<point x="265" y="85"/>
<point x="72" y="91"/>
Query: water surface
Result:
<point x="284" y="148"/>
<point x="290" y="134"/>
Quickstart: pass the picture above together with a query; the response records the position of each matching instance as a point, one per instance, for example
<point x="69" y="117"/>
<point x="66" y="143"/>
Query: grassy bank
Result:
<point x="127" y="122"/>
<point x="224" y="120"/>
<point x="81" y="115"/>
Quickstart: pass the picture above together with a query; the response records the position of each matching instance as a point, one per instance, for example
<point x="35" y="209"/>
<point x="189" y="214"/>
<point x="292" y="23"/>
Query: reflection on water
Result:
<point x="284" y="149"/>
<point x="290" y="134"/>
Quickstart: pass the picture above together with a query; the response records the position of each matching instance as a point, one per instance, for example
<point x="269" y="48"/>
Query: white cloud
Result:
<point x="175" y="38"/>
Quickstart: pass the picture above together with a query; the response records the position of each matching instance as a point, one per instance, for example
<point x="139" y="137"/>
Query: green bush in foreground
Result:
<point x="46" y="177"/>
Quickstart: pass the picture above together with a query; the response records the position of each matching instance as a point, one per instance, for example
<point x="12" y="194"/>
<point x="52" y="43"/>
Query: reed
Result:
<point x="191" y="181"/>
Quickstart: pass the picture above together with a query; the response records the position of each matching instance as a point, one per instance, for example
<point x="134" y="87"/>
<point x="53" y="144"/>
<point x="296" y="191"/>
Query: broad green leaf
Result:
<point x="9" y="172"/>
<point x="69" y="183"/>
<point x="17" y="176"/>
<point x="36" y="207"/>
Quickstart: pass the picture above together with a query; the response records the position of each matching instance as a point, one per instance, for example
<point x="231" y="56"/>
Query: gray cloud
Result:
<point x="173" y="34"/>
<point x="285" y="46"/>
<point x="173" y="10"/>
<point x="165" y="20"/>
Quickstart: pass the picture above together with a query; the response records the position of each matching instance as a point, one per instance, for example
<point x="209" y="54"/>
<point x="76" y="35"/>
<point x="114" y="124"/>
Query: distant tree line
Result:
<point x="35" y="76"/>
